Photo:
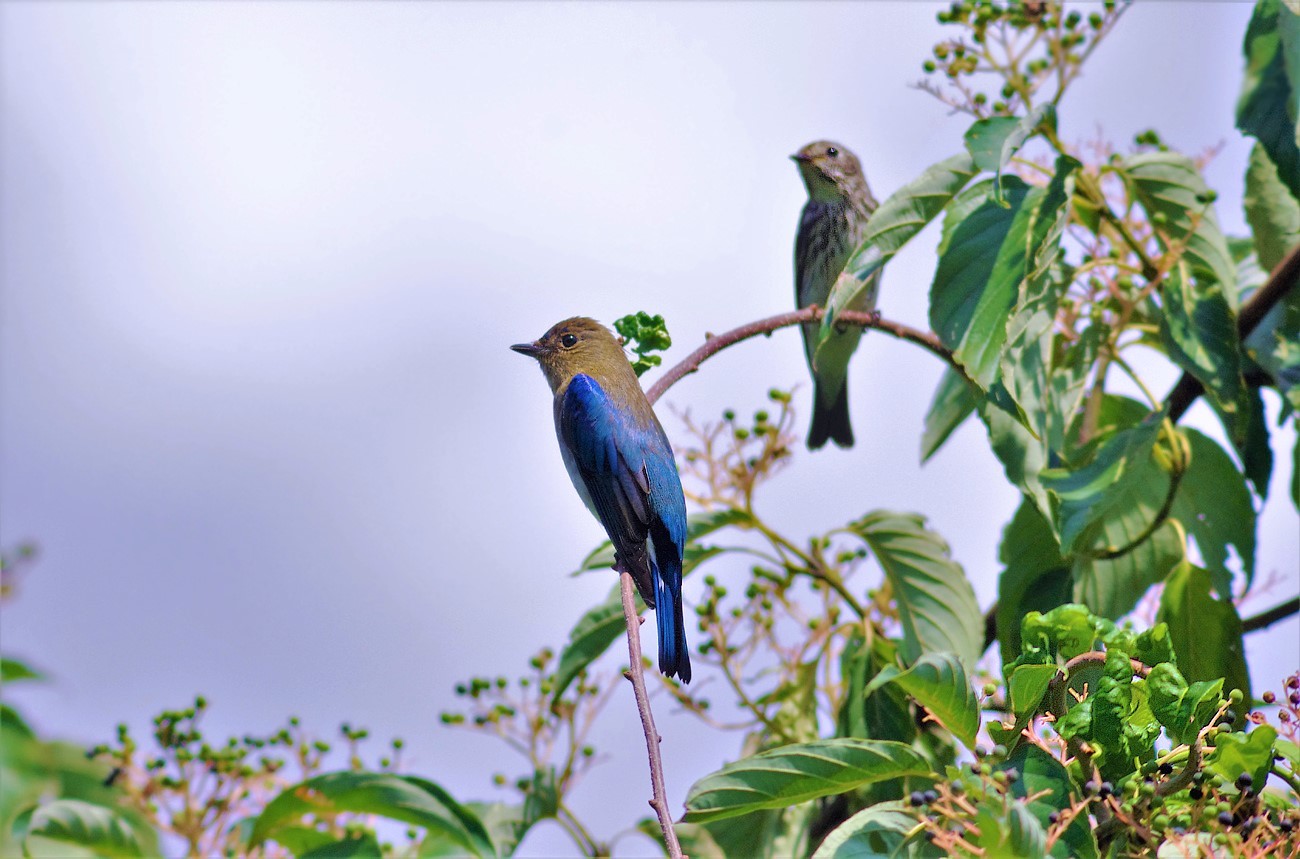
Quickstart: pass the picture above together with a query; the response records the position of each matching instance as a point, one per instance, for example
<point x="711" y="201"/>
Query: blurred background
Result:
<point x="260" y="266"/>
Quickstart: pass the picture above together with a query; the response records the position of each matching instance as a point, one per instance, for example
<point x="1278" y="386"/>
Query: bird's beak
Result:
<point x="529" y="349"/>
<point x="801" y="158"/>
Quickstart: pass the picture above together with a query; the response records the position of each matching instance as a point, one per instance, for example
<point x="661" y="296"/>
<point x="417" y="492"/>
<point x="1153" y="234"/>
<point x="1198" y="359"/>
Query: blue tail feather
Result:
<point x="674" y="658"/>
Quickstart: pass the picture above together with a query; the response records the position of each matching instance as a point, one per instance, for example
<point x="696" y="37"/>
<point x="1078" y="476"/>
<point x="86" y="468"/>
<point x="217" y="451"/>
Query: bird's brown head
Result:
<point x="577" y="345"/>
<point x="830" y="171"/>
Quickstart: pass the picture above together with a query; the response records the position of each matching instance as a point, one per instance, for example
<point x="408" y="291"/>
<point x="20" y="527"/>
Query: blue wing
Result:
<point x="626" y="465"/>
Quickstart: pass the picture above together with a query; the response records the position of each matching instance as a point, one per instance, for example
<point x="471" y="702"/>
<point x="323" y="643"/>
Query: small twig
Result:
<point x="636" y="674"/>
<point x="813" y="313"/>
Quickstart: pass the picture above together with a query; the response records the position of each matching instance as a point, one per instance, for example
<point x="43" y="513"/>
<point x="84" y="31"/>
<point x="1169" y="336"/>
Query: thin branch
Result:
<point x="1267" y="618"/>
<point x="717" y="342"/>
<point x="1284" y="276"/>
<point x="636" y="674"/>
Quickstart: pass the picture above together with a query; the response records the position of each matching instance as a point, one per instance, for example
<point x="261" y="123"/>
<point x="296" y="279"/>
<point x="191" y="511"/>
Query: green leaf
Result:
<point x="409" y="799"/>
<point x="646" y="335"/>
<point x="1086" y="495"/>
<point x="1034" y="576"/>
<point x="298" y="840"/>
<point x="1062" y="633"/>
<point x="883" y="714"/>
<point x="1256" y="449"/>
<point x="1199" y="331"/>
<point x="882" y="831"/>
<point x="1206" y="632"/>
<point x="1295" y="474"/>
<point x="754" y="836"/>
<point x="11" y="671"/>
<point x="1183" y="709"/>
<point x="1274" y="346"/>
<point x="1026" y="367"/>
<point x="939" y="683"/>
<point x="796" y="717"/>
<point x="1112" y="588"/>
<point x="599" y="558"/>
<point x="14" y="724"/>
<point x="1022" y="456"/>
<point x="1237" y="753"/>
<point x="1027" y="685"/>
<point x="797" y="773"/>
<point x="1214" y="505"/>
<point x="32" y="770"/>
<point x="935" y="601"/>
<point x="1044" y="778"/>
<point x="72" y="823"/>
<point x="1122" y="724"/>
<point x="981" y="262"/>
<point x="954" y="400"/>
<point x="702" y="524"/>
<point x="590" y="637"/>
<point x="506" y="825"/>
<point x="1170" y="188"/>
<point x="1271" y="210"/>
<point x="904" y="214"/>
<point x="992" y="141"/>
<point x="1025" y="833"/>
<point x="364" y="846"/>
<point x="1266" y="108"/>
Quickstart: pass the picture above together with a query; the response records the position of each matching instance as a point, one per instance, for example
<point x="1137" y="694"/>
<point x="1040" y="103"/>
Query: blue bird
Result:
<point x="622" y="465"/>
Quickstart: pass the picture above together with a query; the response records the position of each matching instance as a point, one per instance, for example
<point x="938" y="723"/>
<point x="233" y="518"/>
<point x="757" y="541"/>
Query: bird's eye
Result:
<point x="832" y="152"/>
<point x="568" y="341"/>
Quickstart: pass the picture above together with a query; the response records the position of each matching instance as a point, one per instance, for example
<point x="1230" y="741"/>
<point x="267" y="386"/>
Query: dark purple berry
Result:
<point x="1196" y="793"/>
<point x="1012" y="773"/>
<point x="1054" y="818"/>
<point x="1285" y="824"/>
<point x="1090" y="788"/>
<point x="1106" y="789"/>
<point x="930" y="796"/>
<point x="1244" y="781"/>
<point x="1225" y="818"/>
<point x="917" y="799"/>
<point x="1166" y="769"/>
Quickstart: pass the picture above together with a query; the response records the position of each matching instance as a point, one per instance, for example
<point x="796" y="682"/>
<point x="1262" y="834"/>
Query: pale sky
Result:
<point x="260" y="266"/>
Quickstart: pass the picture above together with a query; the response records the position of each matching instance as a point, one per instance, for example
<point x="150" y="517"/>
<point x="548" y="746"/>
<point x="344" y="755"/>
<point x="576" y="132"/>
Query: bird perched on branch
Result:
<point x="619" y="460"/>
<point x="832" y="224"/>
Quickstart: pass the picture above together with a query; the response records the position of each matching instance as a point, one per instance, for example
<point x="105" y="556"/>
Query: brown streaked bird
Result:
<point x="622" y="465"/>
<point x="831" y="226"/>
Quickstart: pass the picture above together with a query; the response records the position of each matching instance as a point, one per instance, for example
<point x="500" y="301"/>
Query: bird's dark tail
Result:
<point x="674" y="657"/>
<point x="830" y="422"/>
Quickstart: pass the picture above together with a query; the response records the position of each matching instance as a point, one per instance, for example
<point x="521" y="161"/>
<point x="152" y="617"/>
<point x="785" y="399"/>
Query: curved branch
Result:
<point x="1284" y="276"/>
<point x="636" y="674"/>
<point x="715" y="343"/>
